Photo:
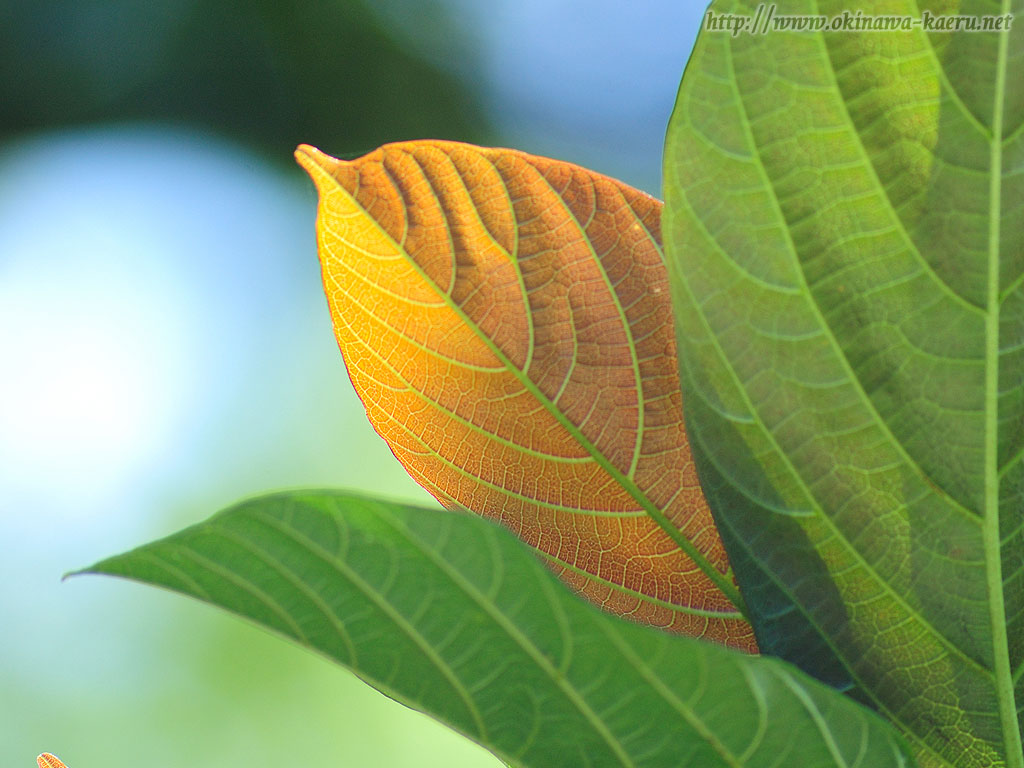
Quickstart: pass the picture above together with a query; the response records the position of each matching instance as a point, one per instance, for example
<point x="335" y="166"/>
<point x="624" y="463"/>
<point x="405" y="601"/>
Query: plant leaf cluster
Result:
<point x="833" y="300"/>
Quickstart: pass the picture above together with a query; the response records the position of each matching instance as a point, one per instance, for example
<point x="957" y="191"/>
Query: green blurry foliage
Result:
<point x="266" y="73"/>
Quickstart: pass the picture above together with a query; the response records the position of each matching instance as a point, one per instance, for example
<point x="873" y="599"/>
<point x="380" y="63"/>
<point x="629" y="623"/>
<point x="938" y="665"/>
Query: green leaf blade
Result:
<point x="847" y="291"/>
<point x="449" y="614"/>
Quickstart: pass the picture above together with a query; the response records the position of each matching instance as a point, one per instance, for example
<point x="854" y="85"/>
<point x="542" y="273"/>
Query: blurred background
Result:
<point x="165" y="348"/>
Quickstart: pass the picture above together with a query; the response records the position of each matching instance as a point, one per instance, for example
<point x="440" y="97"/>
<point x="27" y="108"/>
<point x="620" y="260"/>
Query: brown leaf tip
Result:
<point x="316" y="163"/>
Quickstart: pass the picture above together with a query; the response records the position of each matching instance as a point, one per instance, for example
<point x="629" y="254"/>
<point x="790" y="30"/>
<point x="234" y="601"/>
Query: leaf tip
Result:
<point x="317" y="164"/>
<point x="305" y="154"/>
<point x="46" y="760"/>
<point x="96" y="569"/>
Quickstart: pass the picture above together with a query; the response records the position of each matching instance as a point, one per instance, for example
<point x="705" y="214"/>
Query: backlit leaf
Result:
<point x="451" y="615"/>
<point x="845" y="230"/>
<point x="506" y="321"/>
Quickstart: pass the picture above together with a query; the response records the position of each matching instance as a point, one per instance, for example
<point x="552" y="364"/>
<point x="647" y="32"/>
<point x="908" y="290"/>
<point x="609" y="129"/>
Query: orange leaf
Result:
<point x="506" y="321"/>
<point x="46" y="760"/>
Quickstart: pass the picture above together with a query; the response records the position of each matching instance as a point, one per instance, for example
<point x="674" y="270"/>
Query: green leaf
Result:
<point x="844" y="226"/>
<point x="451" y="615"/>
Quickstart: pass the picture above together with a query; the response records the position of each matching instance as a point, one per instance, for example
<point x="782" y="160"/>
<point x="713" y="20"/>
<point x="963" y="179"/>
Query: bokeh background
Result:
<point x="165" y="348"/>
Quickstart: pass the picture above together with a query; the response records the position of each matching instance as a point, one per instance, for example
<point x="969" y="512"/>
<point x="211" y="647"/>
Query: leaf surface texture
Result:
<point x="450" y="614"/>
<point x="507" y="323"/>
<point x="845" y="233"/>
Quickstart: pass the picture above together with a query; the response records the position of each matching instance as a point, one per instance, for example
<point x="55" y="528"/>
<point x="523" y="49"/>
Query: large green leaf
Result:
<point x="844" y="224"/>
<point x="451" y="615"/>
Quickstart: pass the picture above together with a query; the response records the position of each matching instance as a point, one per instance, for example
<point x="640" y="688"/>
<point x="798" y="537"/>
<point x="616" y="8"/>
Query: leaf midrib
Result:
<point x="453" y="415"/>
<point x="566" y="460"/>
<point x="720" y="581"/>
<point x="990" y="529"/>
